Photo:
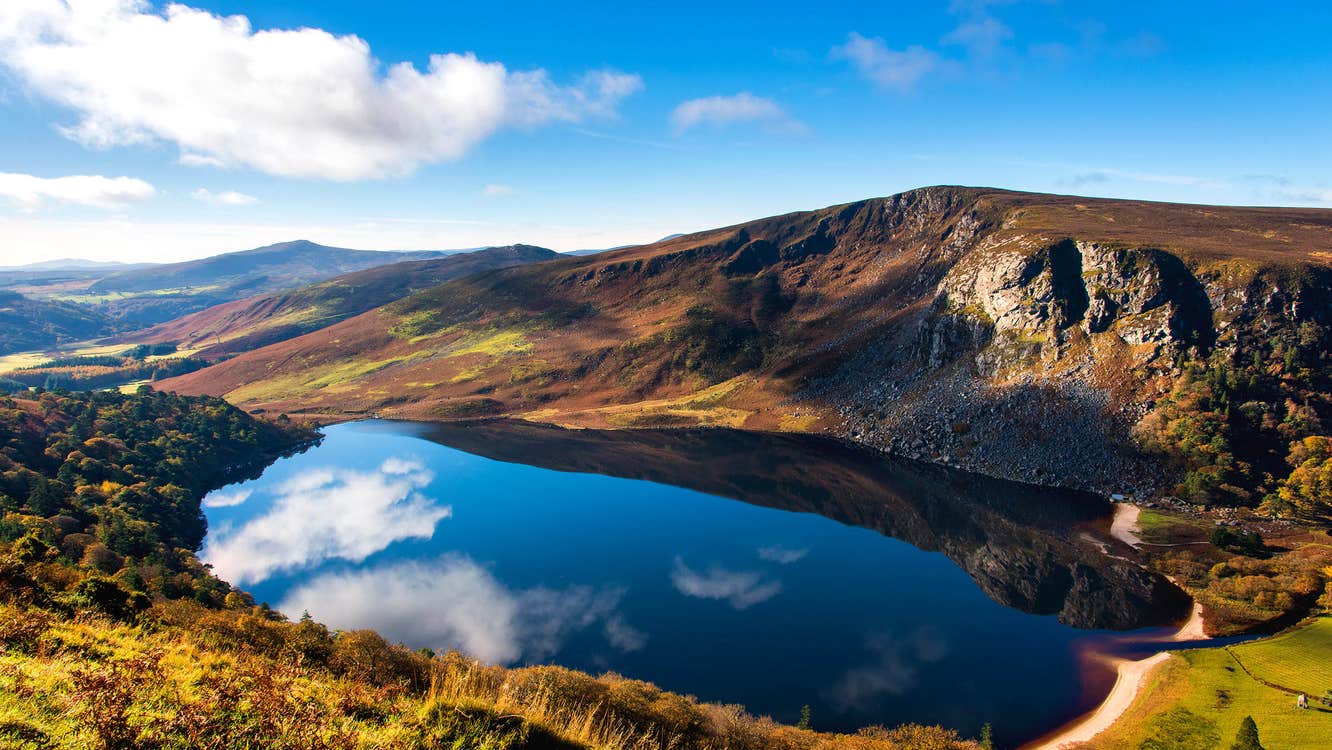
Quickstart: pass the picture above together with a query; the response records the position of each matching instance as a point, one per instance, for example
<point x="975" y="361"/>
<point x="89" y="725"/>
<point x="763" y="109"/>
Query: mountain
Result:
<point x="144" y="297"/>
<point x="595" y="251"/>
<point x="27" y="323"/>
<point x="1104" y="344"/>
<point x="74" y="264"/>
<point x="261" y="269"/>
<point x="239" y="326"/>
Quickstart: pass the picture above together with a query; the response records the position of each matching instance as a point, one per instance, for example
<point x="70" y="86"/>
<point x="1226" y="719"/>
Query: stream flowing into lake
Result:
<point x="773" y="571"/>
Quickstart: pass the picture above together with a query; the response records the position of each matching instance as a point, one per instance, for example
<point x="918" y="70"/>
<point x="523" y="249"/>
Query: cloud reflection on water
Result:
<point x="226" y="498"/>
<point x="895" y="669"/>
<point x="326" y="514"/>
<point x="455" y="603"/>
<point x="782" y="555"/>
<point x="741" y="588"/>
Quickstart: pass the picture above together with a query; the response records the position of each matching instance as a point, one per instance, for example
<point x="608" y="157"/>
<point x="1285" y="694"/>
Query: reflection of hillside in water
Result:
<point x="1022" y="544"/>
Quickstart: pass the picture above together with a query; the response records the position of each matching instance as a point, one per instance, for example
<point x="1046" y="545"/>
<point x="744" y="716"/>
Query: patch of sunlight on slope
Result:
<point x="336" y="378"/>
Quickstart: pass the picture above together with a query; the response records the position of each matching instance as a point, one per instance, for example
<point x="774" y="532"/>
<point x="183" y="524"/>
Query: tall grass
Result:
<point x="188" y="677"/>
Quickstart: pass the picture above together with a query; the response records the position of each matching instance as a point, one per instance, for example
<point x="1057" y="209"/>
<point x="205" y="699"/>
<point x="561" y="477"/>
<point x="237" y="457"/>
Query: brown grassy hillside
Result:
<point x="1023" y="335"/>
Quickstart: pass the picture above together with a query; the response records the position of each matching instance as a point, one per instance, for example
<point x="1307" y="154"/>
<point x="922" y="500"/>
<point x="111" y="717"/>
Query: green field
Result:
<point x="1300" y="660"/>
<point x="1197" y="699"/>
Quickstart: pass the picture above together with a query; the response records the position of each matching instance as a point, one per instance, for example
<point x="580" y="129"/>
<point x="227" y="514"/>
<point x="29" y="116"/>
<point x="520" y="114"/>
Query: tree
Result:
<point x="804" y="717"/>
<point x="1309" y="486"/>
<point x="1247" y="739"/>
<point x="987" y="736"/>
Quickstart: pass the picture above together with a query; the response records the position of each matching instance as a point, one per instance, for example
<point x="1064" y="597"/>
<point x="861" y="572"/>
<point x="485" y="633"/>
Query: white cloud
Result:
<point x="727" y="110"/>
<point x="327" y="514"/>
<point x="742" y="589"/>
<point x="226" y="498"/>
<point x="497" y="191"/>
<point x="299" y="103"/>
<point x="454" y="603"/>
<point x="225" y="198"/>
<point x="889" y="68"/>
<point x="30" y="193"/>
<point x="781" y="555"/>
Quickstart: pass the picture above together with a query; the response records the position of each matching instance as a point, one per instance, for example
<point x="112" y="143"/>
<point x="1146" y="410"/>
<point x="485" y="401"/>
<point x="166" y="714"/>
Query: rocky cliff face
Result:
<point x="1035" y="360"/>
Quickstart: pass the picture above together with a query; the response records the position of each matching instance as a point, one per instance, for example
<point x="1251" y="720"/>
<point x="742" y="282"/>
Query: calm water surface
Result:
<point x="384" y="525"/>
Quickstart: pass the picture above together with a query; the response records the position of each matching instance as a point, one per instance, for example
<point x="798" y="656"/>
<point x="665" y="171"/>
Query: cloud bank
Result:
<point x="328" y="514"/>
<point x="296" y="103"/>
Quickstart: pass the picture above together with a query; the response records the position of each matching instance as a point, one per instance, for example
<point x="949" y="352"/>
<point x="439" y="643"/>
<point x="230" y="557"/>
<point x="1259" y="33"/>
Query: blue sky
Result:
<point x="191" y="131"/>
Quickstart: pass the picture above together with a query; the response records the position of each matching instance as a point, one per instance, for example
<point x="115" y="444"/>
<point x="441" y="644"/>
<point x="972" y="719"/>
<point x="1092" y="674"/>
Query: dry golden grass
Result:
<point x="196" y="678"/>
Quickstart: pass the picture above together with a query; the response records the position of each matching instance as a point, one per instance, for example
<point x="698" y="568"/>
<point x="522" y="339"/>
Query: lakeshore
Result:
<point x="1130" y="674"/>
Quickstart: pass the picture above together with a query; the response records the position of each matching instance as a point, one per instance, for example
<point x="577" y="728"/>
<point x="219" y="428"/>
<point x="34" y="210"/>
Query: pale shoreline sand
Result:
<point x="1127" y="685"/>
<point x="1130" y="675"/>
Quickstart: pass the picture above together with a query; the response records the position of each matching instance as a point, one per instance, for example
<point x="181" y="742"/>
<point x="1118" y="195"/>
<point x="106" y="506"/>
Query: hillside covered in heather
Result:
<point x="1115" y="345"/>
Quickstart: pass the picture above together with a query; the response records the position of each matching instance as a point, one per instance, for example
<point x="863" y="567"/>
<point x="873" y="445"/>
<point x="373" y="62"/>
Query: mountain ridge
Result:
<point x="939" y="323"/>
<point x="241" y="325"/>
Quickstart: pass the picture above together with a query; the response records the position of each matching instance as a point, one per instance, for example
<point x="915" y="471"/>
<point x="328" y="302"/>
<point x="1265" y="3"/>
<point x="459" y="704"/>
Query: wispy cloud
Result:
<point x="1102" y="175"/>
<point x="224" y="198"/>
<point x="454" y="603"/>
<point x="741" y="589"/>
<point x="885" y="67"/>
<point x="497" y="191"/>
<point x="327" y="514"/>
<point x="982" y="36"/>
<point x="297" y="103"/>
<point x="1284" y="190"/>
<point x="729" y="110"/>
<point x="31" y="193"/>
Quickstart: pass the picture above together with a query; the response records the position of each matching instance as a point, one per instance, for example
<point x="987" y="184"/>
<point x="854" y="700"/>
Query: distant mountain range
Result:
<point x="75" y="264"/>
<point x="234" y="327"/>
<point x="70" y="300"/>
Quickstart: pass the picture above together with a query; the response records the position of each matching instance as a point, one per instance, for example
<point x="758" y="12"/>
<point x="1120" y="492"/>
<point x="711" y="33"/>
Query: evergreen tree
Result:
<point x="1247" y="739"/>
<point x="987" y="736"/>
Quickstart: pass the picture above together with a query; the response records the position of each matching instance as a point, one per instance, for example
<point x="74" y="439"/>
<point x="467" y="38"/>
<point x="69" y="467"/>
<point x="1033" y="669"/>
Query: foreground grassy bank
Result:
<point x="114" y="636"/>
<point x="1197" y="700"/>
<point x="188" y="677"/>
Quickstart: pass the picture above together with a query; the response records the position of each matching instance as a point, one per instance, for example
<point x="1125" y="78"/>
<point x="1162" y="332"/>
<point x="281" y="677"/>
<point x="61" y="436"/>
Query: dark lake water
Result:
<point x="769" y="570"/>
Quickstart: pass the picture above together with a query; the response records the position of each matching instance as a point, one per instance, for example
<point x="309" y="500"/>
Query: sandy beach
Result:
<point x="1127" y="684"/>
<point x="1129" y="674"/>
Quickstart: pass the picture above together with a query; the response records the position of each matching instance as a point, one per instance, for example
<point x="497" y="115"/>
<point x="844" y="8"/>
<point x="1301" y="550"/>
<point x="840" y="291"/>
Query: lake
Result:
<point x="769" y="570"/>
